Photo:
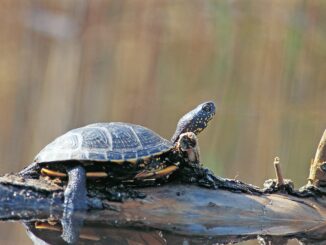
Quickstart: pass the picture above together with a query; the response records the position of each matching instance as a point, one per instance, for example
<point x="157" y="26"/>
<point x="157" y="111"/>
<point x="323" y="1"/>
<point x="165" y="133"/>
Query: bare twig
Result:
<point x="278" y="172"/>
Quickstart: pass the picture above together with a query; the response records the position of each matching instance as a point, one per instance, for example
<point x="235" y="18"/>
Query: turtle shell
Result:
<point x="105" y="142"/>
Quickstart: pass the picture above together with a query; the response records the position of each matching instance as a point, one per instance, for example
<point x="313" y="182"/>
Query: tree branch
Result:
<point x="317" y="176"/>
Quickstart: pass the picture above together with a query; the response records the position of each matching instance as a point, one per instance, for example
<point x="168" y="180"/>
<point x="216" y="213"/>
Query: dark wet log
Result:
<point x="23" y="199"/>
<point x="178" y="208"/>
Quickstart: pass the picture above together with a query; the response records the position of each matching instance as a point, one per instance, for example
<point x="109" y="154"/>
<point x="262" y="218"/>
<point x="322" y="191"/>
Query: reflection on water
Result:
<point x="13" y="233"/>
<point x="50" y="232"/>
<point x="93" y="234"/>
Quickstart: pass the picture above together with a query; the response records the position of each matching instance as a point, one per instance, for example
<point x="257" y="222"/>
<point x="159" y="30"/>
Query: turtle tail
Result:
<point x="31" y="171"/>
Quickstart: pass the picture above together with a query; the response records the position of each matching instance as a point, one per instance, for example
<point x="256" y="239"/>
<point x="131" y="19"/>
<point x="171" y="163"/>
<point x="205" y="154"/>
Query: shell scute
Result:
<point x="143" y="153"/>
<point x="123" y="138"/>
<point x="94" y="138"/>
<point x="154" y="150"/>
<point x="147" y="138"/>
<point x="71" y="142"/>
<point x="130" y="155"/>
<point x="114" y="156"/>
<point x="99" y="156"/>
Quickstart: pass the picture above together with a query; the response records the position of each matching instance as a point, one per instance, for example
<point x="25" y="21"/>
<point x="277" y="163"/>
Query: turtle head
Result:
<point x="195" y="121"/>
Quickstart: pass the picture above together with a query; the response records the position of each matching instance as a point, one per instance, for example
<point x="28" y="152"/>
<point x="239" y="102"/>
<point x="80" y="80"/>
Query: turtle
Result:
<point x="118" y="151"/>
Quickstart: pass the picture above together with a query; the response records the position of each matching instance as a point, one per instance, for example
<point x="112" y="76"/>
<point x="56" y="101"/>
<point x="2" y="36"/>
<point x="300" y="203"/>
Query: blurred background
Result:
<point x="64" y="64"/>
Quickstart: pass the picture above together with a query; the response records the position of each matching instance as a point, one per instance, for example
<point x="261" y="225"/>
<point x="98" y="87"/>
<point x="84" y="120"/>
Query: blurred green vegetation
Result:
<point x="64" y="64"/>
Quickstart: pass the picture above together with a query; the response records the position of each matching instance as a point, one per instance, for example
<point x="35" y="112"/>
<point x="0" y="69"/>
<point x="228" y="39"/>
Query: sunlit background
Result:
<point x="64" y="64"/>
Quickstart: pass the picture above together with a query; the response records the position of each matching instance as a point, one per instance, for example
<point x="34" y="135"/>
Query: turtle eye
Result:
<point x="207" y="108"/>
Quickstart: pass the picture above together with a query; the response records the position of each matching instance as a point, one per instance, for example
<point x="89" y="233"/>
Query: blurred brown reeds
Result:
<point x="64" y="64"/>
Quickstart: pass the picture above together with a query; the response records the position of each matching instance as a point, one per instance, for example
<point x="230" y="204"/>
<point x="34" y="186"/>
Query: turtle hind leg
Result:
<point x="156" y="174"/>
<point x="75" y="193"/>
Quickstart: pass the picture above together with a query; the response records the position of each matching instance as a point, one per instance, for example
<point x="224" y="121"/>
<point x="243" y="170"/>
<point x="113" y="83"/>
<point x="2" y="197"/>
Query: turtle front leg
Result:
<point x="188" y="143"/>
<point x="191" y="171"/>
<point x="75" y="193"/>
<point x="75" y="199"/>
